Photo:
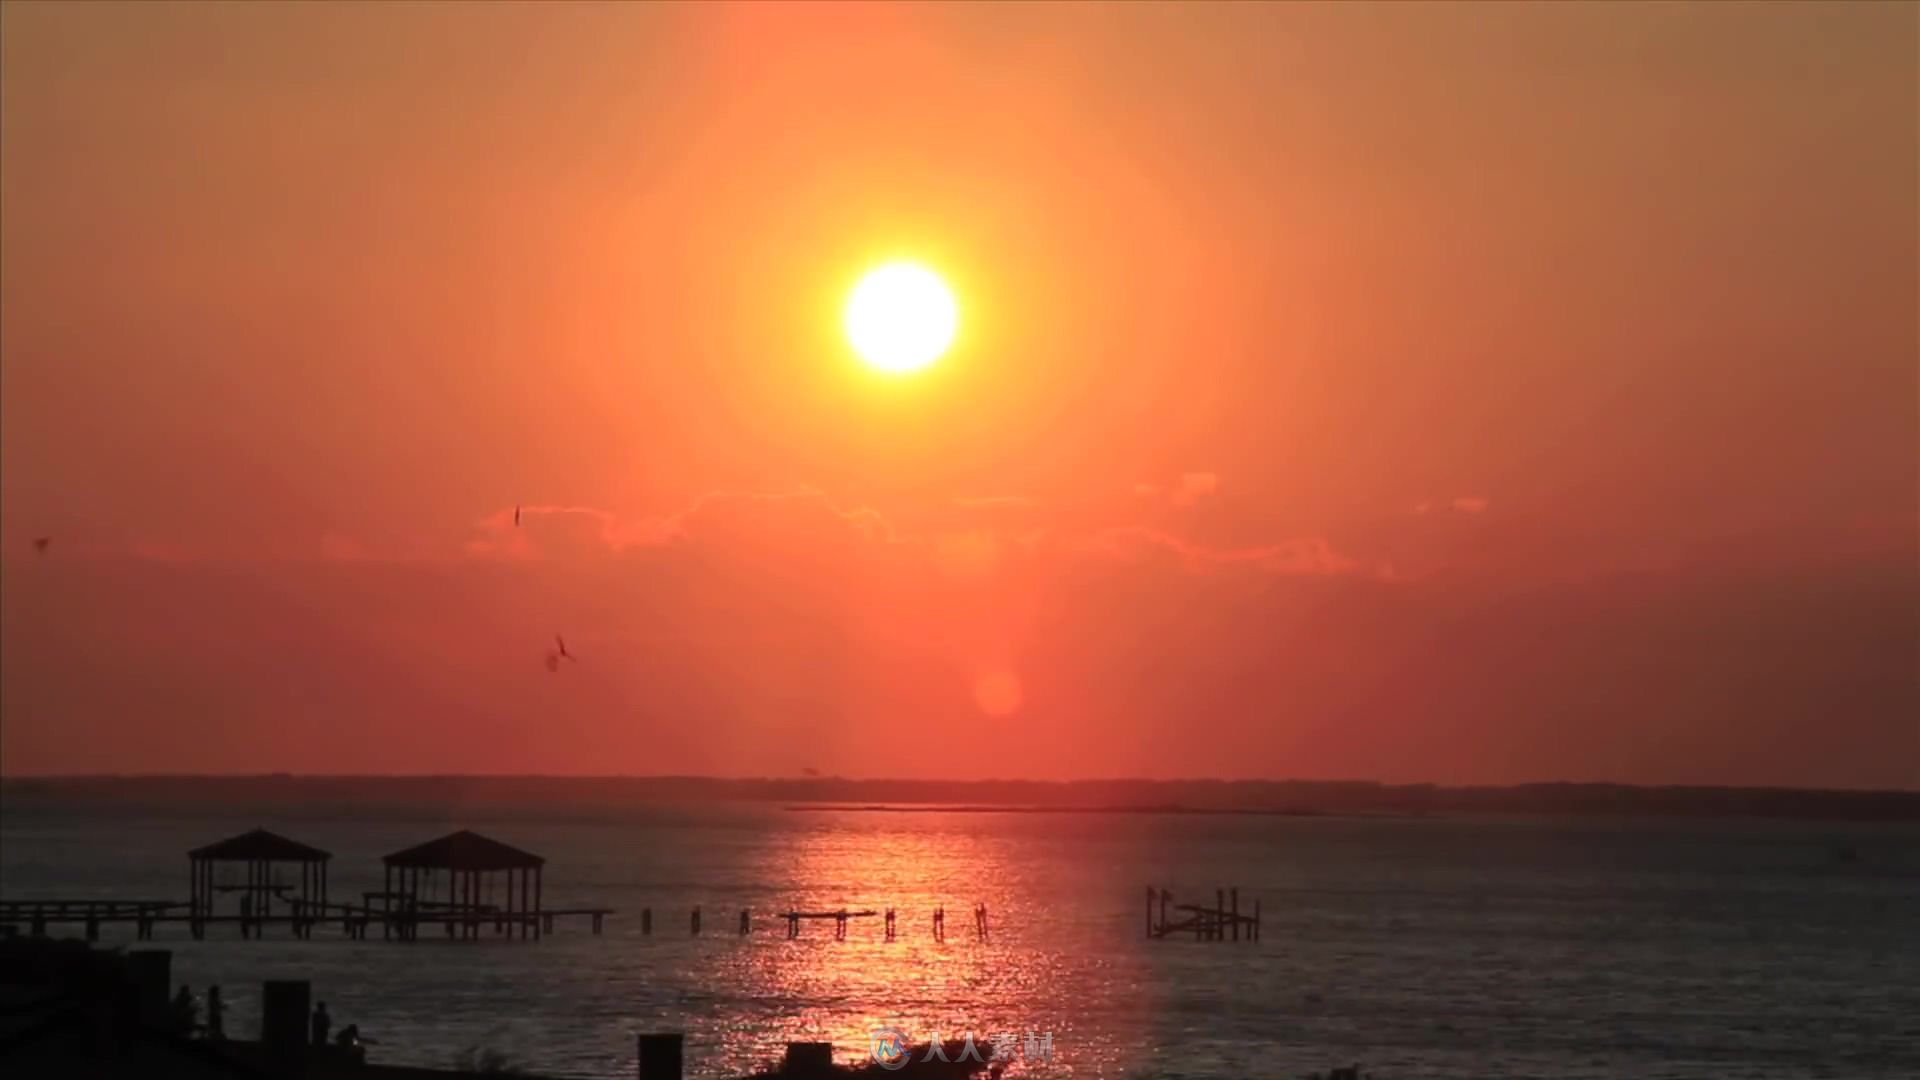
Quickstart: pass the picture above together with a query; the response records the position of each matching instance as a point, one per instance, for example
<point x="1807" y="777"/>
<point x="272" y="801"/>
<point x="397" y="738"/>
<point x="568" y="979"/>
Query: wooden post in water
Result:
<point x="1235" y="894"/>
<point x="746" y="923"/>
<point x="1256" y="918"/>
<point x="646" y="922"/>
<point x="696" y="920"/>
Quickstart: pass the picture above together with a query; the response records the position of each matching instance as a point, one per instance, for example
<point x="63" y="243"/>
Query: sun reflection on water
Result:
<point x="818" y="988"/>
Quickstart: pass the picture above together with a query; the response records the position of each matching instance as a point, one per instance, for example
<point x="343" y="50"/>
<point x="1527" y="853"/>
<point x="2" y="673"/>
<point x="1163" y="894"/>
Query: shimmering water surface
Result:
<point x="1418" y="948"/>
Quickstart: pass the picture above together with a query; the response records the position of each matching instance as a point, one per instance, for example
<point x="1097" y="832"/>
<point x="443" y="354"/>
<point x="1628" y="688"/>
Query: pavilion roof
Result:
<point x="257" y="846"/>
<point x="465" y="850"/>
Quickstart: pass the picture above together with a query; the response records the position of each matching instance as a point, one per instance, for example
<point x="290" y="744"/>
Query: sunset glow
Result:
<point x="1455" y="393"/>
<point x="1022" y="540"/>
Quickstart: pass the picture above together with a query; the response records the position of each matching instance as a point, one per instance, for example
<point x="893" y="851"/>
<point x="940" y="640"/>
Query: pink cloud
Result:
<point x="1194" y="486"/>
<point x="805" y="522"/>
<point x="339" y="547"/>
<point x="160" y="551"/>
<point x="1459" y="504"/>
<point x="546" y="529"/>
<point x="1306" y="556"/>
<point x="1186" y="490"/>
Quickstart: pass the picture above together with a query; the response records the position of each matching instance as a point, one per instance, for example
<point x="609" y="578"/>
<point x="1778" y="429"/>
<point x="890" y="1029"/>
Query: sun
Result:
<point x="901" y="317"/>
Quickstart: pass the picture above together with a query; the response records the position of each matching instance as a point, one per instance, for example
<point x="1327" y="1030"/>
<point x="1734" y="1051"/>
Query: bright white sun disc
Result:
<point x="901" y="317"/>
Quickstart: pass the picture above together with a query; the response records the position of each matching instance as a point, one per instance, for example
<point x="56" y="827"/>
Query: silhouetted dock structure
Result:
<point x="259" y="851"/>
<point x="37" y="915"/>
<point x="840" y="919"/>
<point x="462" y="883"/>
<point x="1221" y="922"/>
<point x="488" y="884"/>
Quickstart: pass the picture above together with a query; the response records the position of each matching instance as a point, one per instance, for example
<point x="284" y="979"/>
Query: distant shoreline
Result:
<point x="372" y="795"/>
<point x="996" y="808"/>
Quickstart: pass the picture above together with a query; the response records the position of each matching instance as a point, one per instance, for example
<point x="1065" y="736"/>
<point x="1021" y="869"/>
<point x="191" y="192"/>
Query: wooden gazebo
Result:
<point x="472" y="864"/>
<point x="259" y="851"/>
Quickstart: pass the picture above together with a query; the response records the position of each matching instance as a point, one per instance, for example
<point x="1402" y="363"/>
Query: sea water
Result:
<point x="1428" y="947"/>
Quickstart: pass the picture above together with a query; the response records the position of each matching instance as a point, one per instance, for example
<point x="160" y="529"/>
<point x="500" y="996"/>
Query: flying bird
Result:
<point x="40" y="543"/>
<point x="558" y="653"/>
<point x="516" y="515"/>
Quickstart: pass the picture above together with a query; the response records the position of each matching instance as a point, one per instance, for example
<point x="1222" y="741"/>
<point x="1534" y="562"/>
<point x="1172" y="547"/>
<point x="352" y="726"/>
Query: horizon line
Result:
<point x="10" y="779"/>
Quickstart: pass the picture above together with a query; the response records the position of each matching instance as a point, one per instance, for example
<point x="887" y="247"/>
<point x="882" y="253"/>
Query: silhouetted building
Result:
<point x="475" y="868"/>
<point x="259" y="852"/>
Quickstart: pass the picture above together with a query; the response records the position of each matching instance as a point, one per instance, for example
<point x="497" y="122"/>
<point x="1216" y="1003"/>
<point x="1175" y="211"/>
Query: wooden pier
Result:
<point x="840" y="919"/>
<point x="463" y="885"/>
<point x="473" y="868"/>
<point x="354" y="921"/>
<point x="1221" y="922"/>
<point x="37" y="915"/>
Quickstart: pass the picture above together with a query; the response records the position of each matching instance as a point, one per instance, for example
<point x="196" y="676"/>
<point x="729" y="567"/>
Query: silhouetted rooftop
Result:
<point x="465" y="850"/>
<point x="260" y="845"/>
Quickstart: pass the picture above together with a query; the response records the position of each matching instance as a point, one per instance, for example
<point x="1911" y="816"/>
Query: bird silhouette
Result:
<point x="40" y="543"/>
<point x="562" y="642"/>
<point x="516" y="515"/>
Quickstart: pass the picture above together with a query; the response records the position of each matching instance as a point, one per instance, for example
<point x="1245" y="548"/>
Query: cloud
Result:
<point x="714" y="511"/>
<point x="1193" y="487"/>
<point x="1305" y="556"/>
<point x="339" y="547"/>
<point x="160" y="551"/>
<point x="1459" y="504"/>
<point x="1186" y="490"/>
<point x="804" y="531"/>
<point x="805" y="525"/>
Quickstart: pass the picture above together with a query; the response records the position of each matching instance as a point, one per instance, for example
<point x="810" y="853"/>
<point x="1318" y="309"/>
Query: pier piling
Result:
<point x="1221" y="922"/>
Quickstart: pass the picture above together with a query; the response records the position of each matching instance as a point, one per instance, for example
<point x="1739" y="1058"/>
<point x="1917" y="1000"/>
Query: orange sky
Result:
<point x="1468" y="394"/>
